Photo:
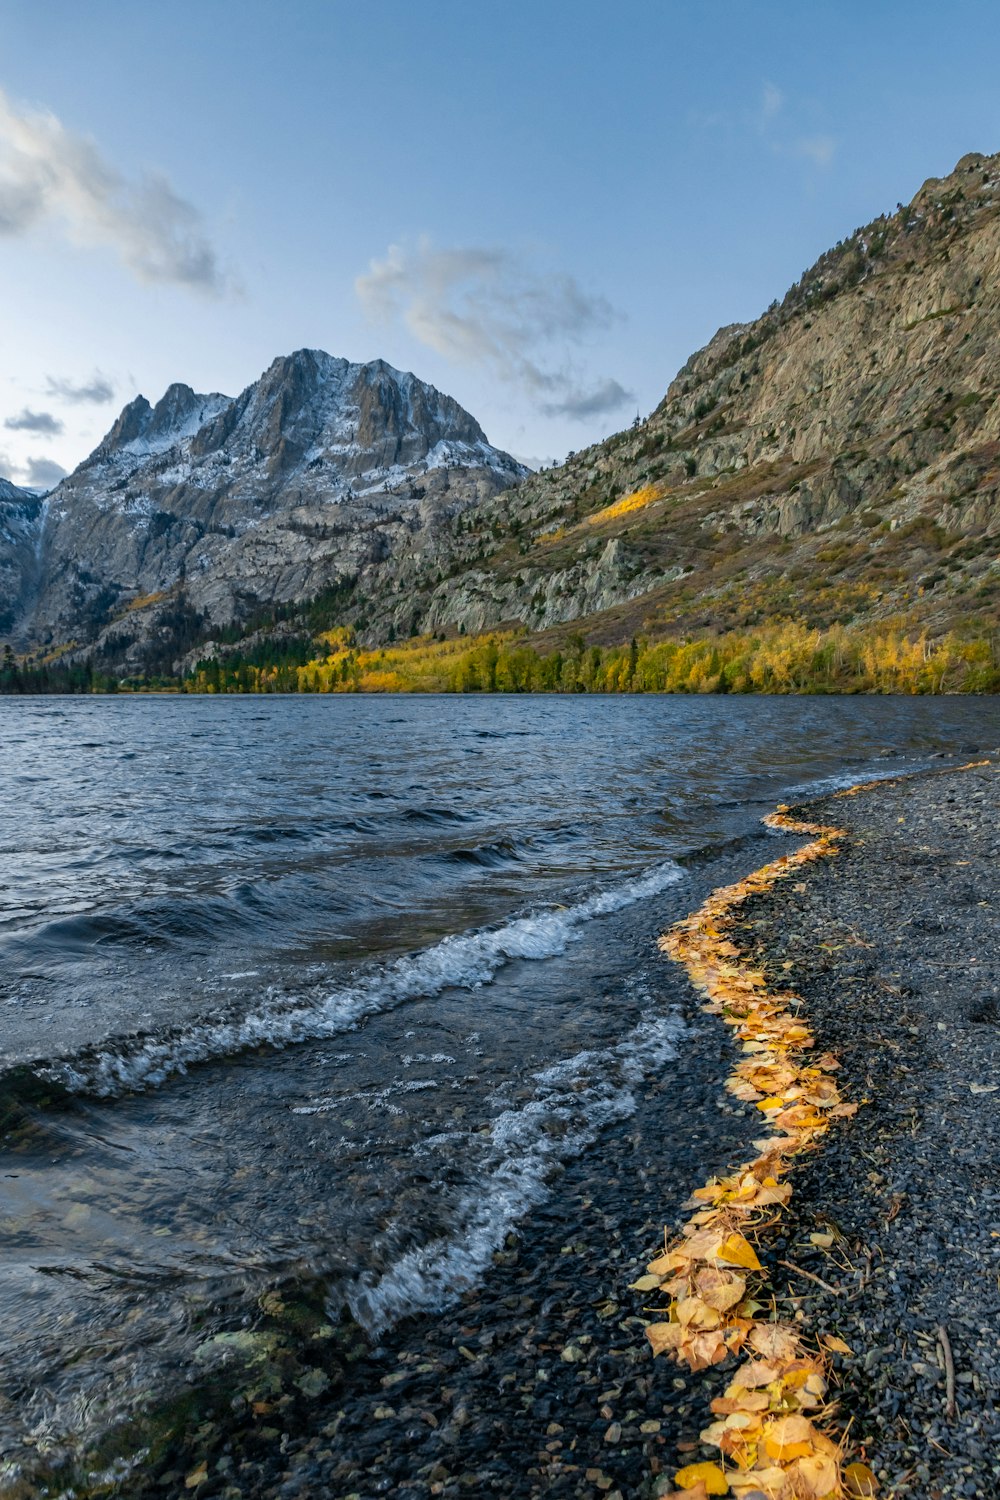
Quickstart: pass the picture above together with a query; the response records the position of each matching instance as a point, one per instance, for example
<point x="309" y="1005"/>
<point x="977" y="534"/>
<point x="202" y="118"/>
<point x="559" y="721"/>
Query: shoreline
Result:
<point x="539" y="1381"/>
<point x="894" y="948"/>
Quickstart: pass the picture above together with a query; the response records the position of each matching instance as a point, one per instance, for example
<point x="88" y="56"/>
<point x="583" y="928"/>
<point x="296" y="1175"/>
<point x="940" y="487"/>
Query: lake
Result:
<point x="336" y="986"/>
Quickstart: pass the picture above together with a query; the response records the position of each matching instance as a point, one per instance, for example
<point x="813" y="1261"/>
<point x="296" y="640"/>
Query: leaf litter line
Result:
<point x="770" y="1427"/>
<point x="764" y="1427"/>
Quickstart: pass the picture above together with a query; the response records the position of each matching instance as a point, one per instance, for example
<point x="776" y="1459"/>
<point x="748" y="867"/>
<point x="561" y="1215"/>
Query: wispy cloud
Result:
<point x="48" y="172"/>
<point x="483" y="307"/>
<point x="781" y="133"/>
<point x="772" y="101"/>
<point x="34" y="421"/>
<point x="97" y="389"/>
<point x="819" y="149"/>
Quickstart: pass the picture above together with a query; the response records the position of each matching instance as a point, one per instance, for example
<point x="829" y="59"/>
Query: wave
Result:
<point x="572" y="1102"/>
<point x="463" y="960"/>
<point x="840" y="781"/>
<point x="487" y="856"/>
<point x="437" y="816"/>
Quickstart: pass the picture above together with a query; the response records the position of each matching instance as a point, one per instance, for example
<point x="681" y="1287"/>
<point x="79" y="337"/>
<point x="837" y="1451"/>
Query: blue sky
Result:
<point x="542" y="208"/>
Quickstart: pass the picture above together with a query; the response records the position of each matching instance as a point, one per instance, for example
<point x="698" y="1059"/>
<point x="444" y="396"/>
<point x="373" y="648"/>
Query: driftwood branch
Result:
<point x="949" y="1372"/>
<point x="800" y="1271"/>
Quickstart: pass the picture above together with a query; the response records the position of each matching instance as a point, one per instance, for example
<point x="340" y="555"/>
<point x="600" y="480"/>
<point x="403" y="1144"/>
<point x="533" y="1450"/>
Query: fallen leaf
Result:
<point x="736" y="1251"/>
<point x="859" y="1480"/>
<point x="744" y="1401"/>
<point x="774" y="1341"/>
<point x="709" y="1475"/>
<point x="824" y="1241"/>
<point x="198" y="1476"/>
<point x="836" y="1345"/>
<point x="771" y="1483"/>
<point x="815" y="1476"/>
<point x="692" y="1312"/>
<point x="720" y="1289"/>
<point x="663" y="1336"/>
<point x="790" y="1437"/>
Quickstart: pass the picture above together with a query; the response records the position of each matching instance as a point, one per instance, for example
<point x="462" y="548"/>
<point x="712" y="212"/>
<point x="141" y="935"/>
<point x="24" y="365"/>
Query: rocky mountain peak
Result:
<point x="142" y="429"/>
<point x="318" y="470"/>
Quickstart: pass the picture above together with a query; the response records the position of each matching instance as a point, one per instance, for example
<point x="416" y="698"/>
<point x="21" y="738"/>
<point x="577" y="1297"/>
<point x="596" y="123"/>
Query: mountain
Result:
<point x="203" y="510"/>
<point x="21" y="513"/>
<point x="836" y="460"/>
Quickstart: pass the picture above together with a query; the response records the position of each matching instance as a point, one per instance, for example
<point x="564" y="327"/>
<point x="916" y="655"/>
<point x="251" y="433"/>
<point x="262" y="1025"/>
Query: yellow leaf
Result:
<point x="670" y="1260"/>
<point x="197" y="1476"/>
<point x="774" y="1341"/>
<point x="694" y="1313"/>
<point x="708" y="1474"/>
<point x="700" y="1350"/>
<point x="815" y="1476"/>
<point x="790" y="1437"/>
<point x="859" y="1480"/>
<point x="771" y="1483"/>
<point x="824" y="1241"/>
<point x="753" y="1374"/>
<point x="663" y="1336"/>
<point x="837" y="1345"/>
<point x="753" y="1401"/>
<point x="736" y="1251"/>
<point x="645" y="1284"/>
<point x="719" y="1289"/>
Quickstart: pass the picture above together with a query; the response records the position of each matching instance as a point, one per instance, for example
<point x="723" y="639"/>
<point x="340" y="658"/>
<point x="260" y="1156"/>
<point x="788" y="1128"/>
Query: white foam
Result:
<point x="464" y="960"/>
<point x="840" y="782"/>
<point x="579" y="1096"/>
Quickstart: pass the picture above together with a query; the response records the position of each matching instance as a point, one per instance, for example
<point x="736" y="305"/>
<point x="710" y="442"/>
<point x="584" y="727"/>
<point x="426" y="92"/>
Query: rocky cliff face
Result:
<point x="838" y="458"/>
<point x="319" y="471"/>
<point x="21" y="515"/>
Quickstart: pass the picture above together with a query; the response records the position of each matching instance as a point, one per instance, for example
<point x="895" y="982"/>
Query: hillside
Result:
<point x="837" y="460"/>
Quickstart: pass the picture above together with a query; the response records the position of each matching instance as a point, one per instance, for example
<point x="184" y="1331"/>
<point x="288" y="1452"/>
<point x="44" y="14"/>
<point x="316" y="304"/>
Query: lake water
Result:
<point x="334" y="986"/>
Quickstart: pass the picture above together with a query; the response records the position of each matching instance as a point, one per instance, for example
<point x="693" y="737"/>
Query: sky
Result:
<point x="541" y="208"/>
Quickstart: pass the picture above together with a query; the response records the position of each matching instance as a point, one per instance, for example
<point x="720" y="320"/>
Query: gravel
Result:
<point x="896" y="951"/>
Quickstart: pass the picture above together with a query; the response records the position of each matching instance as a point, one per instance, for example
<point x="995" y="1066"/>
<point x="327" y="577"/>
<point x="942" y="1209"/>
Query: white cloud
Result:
<point x="484" y="308"/>
<point x="97" y="389"/>
<point x="48" y="172"/>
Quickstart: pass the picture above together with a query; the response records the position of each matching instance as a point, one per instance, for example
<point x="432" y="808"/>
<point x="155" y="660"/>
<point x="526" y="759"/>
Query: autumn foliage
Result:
<point x="779" y="658"/>
<point x="769" y="1425"/>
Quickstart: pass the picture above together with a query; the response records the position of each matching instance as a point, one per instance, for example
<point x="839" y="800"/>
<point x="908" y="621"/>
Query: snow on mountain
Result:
<point x="317" y="471"/>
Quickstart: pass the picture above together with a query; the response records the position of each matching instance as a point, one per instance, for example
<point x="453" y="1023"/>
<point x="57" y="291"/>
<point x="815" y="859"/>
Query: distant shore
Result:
<point x="777" y="656"/>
